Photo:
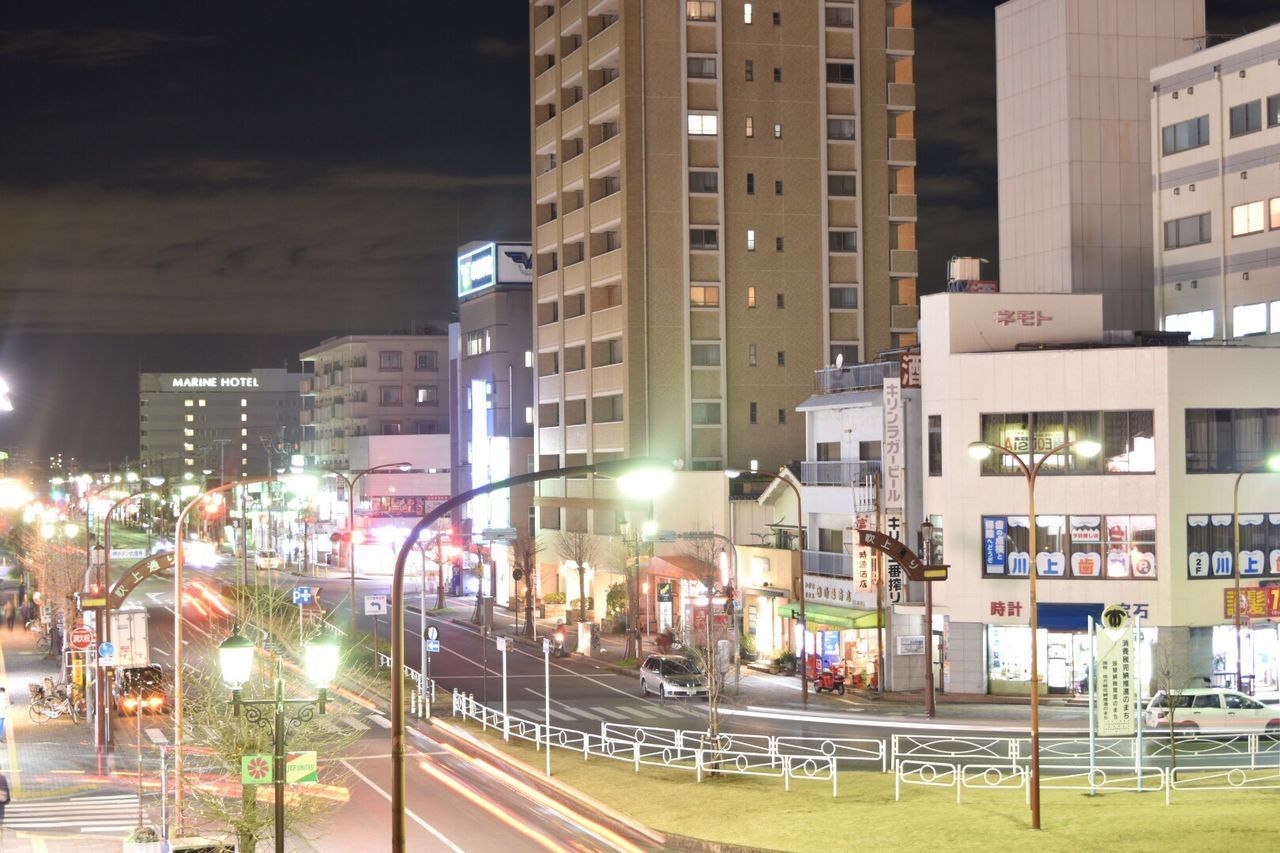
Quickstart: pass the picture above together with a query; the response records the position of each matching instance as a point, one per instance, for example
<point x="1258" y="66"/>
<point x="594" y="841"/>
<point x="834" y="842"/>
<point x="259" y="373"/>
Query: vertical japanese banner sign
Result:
<point x="1116" y="668"/>
<point x="893" y="449"/>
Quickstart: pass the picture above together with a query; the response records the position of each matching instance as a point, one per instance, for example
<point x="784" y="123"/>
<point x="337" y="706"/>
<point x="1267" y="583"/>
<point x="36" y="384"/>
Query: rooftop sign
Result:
<point x="214" y="382"/>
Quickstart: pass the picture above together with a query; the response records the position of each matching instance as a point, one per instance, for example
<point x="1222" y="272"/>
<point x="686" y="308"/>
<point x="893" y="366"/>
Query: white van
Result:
<point x="1212" y="709"/>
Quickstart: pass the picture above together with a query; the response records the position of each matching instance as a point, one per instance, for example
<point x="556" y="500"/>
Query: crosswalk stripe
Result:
<point x="156" y="735"/>
<point x="613" y="715"/>
<point x="380" y="720"/>
<point x="356" y="723"/>
<point x="87" y="813"/>
<point x="583" y="712"/>
<point x="665" y="712"/>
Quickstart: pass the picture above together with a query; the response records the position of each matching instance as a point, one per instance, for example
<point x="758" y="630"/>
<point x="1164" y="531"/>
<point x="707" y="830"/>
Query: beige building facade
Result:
<point x="724" y="201"/>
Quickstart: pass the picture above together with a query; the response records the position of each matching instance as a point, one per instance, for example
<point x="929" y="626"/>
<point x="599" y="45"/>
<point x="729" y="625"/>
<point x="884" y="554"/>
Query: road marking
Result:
<point x="355" y="723"/>
<point x="780" y="714"/>
<point x="607" y="712"/>
<point x="87" y="814"/>
<point x="668" y="713"/>
<point x="380" y="720"/>
<point x="156" y="735"/>
<point x="439" y="836"/>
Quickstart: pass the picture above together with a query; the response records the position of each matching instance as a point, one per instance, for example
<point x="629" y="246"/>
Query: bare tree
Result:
<point x="524" y="558"/>
<point x="1171" y="676"/>
<point x="581" y="549"/>
<point x="629" y="550"/>
<point x="702" y="643"/>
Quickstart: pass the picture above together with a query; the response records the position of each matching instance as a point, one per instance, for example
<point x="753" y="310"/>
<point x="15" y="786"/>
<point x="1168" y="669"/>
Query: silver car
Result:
<point x="671" y="675"/>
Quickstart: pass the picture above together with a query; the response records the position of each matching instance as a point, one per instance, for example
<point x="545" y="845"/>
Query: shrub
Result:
<point x="616" y="600"/>
<point x="553" y="598"/>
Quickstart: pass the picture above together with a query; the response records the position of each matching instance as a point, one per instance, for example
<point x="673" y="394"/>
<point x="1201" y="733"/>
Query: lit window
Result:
<point x="777" y="131"/>
<point x="751" y="240"/>
<point x="751" y="297"/>
<point x="528" y="358"/>
<point x="751" y="127"/>
<point x="188" y="433"/>
<point x="190" y="419"/>
<point x="700" y="10"/>
<point x="703" y="125"/>
<point x="243" y="418"/>
<point x="202" y="402"/>
<point x="188" y="403"/>
<point x="427" y="395"/>
<point x="704" y="296"/>
<point x="528" y="414"/>
<point x="243" y="402"/>
<point x="746" y="13"/>
<point x="188" y="462"/>
<point x="244" y="461"/>
<point x="187" y="446"/>
<point x="1199" y="323"/>
<point x="244" y="432"/>
<point x="1275" y="214"/>
<point x="1247" y="219"/>
<point x="1249" y="319"/>
<point x="243" y="447"/>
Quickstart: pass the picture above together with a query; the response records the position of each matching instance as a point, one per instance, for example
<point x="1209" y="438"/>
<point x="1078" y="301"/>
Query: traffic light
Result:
<point x="355" y="537"/>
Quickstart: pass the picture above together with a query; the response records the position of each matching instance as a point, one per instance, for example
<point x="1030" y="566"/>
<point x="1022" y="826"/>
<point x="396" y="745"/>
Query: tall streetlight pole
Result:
<point x="1269" y="465"/>
<point x="641" y="478"/>
<point x="178" y="665"/>
<point x="980" y="450"/>
<point x="351" y="521"/>
<point x="733" y="474"/>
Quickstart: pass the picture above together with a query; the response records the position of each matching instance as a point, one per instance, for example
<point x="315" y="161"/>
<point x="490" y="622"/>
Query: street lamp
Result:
<point x="980" y="450"/>
<point x="733" y="474"/>
<point x="403" y="467"/>
<point x="1269" y="465"/>
<point x="640" y="479"/>
<point x="235" y="657"/>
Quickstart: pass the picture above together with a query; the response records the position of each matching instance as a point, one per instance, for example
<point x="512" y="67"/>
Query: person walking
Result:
<point x="4" y="719"/>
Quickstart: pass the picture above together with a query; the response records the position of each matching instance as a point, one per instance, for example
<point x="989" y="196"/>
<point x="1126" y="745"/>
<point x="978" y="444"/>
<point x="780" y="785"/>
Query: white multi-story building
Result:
<point x="1146" y="524"/>
<point x="1215" y="117"/>
<point x="1072" y="126"/>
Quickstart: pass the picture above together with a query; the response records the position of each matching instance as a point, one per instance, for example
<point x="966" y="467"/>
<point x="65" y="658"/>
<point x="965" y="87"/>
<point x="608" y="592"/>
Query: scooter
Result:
<point x="558" y="647"/>
<point x="831" y="680"/>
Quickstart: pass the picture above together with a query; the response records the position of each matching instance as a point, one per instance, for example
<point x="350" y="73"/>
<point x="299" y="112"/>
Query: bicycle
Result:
<point x="49" y="705"/>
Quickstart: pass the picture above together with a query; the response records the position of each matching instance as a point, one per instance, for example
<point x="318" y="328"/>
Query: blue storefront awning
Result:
<point x="1067" y="617"/>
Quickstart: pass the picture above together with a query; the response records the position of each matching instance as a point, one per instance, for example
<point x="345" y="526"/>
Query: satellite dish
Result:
<point x="839" y="359"/>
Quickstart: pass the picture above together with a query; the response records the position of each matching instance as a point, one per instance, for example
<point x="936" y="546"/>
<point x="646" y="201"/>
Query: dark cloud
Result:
<point x="92" y="48"/>
<point x="490" y="46"/>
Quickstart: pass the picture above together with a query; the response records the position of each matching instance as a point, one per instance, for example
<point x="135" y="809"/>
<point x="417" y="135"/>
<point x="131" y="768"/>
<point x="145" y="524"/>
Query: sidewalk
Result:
<point x="782" y="692"/>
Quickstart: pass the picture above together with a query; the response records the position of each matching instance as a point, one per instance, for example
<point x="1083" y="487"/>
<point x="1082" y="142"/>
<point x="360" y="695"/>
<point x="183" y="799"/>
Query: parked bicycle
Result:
<point x="50" y="701"/>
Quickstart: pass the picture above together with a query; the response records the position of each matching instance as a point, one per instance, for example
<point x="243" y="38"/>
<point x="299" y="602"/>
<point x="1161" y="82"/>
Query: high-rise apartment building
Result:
<point x="1215" y="117"/>
<point x="724" y="201"/>
<point x="1073" y="129"/>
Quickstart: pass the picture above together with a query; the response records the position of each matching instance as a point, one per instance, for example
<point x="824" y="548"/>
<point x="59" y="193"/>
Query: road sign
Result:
<point x="546" y="646"/>
<point x="375" y="605"/>
<point x="85" y="601"/>
<point x="106" y="654"/>
<point x="433" y="633"/>
<point x="504" y="644"/>
<point x="257" y="769"/>
<point x="498" y="534"/>
<point x="433" y="647"/>
<point x="302" y="595"/>
<point x="128" y="553"/>
<point x="81" y="638"/>
<point x="300" y="768"/>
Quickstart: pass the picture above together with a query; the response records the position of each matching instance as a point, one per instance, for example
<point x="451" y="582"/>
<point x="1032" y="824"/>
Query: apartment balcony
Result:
<point x="841" y="156"/>
<point x="548" y="283"/>
<point x="903" y="262"/>
<point x="307" y="386"/>
<point x="544" y="35"/>
<point x="902" y="206"/>
<point x="306" y="417"/>
<point x="604" y="43"/>
<point x="605" y="98"/>
<point x="549" y="442"/>
<point x="607" y="153"/>
<point x="549" y="388"/>
<point x="545" y="86"/>
<point x="571" y="67"/>
<point x="606" y="379"/>
<point x="549" y="336"/>
<point x="571" y="118"/>
<point x="607" y="323"/>
<point x="576" y="438"/>
<point x="902" y="151"/>
<point x="902" y="96"/>
<point x="832" y="565"/>
<point x="609" y="436"/>
<point x="574" y="224"/>
<point x="842" y="269"/>
<point x="544" y="136"/>
<point x="607" y="211"/>
<point x="546" y="185"/>
<point x="904" y="318"/>
<point x="571" y="17"/>
<point x="853" y="377"/>
<point x="838" y="473"/>
<point x="575" y="276"/>
<point x="547" y="234"/>
<point x="840" y="43"/>
<point x="901" y="40"/>
<point x="571" y="173"/>
<point x="842" y="212"/>
<point x="606" y="267"/>
<point x="575" y="329"/>
<point x="842" y="100"/>
<point x="575" y="383"/>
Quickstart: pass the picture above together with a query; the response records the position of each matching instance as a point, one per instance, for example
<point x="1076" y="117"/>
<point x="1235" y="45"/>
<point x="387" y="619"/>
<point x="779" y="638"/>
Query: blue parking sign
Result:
<point x="302" y="595"/>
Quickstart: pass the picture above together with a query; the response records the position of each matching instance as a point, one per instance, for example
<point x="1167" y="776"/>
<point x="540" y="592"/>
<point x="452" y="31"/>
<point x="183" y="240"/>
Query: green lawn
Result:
<point x="757" y="812"/>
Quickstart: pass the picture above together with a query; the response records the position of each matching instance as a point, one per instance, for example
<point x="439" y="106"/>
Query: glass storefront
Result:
<point x="1063" y="659"/>
<point x="857" y="650"/>
<point x="1260" y="648"/>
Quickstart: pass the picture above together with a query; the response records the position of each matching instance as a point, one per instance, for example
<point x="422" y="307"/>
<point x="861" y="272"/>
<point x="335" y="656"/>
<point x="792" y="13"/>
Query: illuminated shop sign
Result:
<point x="495" y="263"/>
<point x="476" y="269"/>
<point x="214" y="382"/>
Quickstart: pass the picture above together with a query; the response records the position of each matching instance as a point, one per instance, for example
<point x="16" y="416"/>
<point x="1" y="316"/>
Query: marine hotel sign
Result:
<point x="214" y="382"/>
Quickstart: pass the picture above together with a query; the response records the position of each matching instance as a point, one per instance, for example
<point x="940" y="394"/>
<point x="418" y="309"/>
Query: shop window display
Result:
<point x="1075" y="546"/>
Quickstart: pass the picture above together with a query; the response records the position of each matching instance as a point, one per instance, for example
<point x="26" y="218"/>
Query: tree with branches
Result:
<point x="1170" y="676"/>
<point x="703" y="644"/>
<point x="217" y="803"/>
<point x="580" y="549"/>
<point x="524" y="560"/>
<point x="629" y="550"/>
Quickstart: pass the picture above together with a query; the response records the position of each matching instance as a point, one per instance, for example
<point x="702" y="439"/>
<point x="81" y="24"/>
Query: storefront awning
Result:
<point x="831" y="616"/>
<point x="766" y="591"/>
<point x="1067" y="617"/>
<point x="678" y="566"/>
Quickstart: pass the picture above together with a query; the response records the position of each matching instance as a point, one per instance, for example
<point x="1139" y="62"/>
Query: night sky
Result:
<point x="218" y="186"/>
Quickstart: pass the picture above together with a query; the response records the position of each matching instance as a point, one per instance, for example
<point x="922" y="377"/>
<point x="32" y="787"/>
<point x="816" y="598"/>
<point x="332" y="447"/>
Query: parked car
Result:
<point x="671" y="675"/>
<point x="140" y="688"/>
<point x="264" y="560"/>
<point x="1212" y="708"/>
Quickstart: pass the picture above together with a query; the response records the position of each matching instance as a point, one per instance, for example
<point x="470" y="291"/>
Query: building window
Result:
<point x="746" y="13"/>
<point x="188" y="433"/>
<point x="841" y="128"/>
<point x="1090" y="547"/>
<point x="390" y="395"/>
<point x="702" y="67"/>
<point x="752" y="413"/>
<point x="1273" y="215"/>
<point x="1227" y="441"/>
<point x="391" y="428"/>
<point x="426" y="395"/>
<point x="777" y="75"/>
<point x="608" y="352"/>
<point x="751" y="297"/>
<point x="188" y="447"/>
<point x="840" y="16"/>
<point x="1275" y="316"/>
<point x="843" y="297"/>
<point x="704" y="355"/>
<point x="704" y="182"/>
<point x="751" y="183"/>
<point x="842" y="241"/>
<point x="1248" y="218"/>
<point x="607" y="409"/>
<point x="777" y="19"/>
<point x="751" y="240"/>
<point x="528" y="414"/>
<point x="1187" y="231"/>
<point x="777" y="131"/>
<point x="200" y="404"/>
<point x="700" y="10"/>
<point x="751" y="355"/>
<point x="706" y="414"/>
<point x="1185" y="135"/>
<point x="839" y="72"/>
<point x="427" y="360"/>
<point x="782" y="300"/>
<point x="1249" y="320"/>
<point x="703" y="125"/>
<point x="389" y="360"/>
<point x="243" y="402"/>
<point x="244" y="418"/>
<point x="188" y="403"/>
<point x="1273" y="111"/>
<point x="842" y="185"/>
<point x="782" y="416"/>
<point x="1246" y="118"/>
<point x="704" y="296"/>
<point x="782" y="358"/>
<point x="751" y="127"/>
<point x="704" y="238"/>
<point x="1200" y="324"/>
<point x="750" y="70"/>
<point x="935" y="445"/>
<point x="777" y="187"/>
<point x="189" y="418"/>
<point x="1127" y="438"/>
<point x="779" y="244"/>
